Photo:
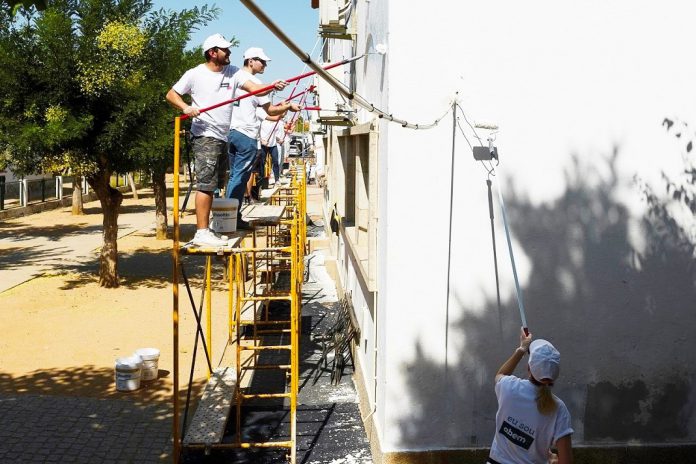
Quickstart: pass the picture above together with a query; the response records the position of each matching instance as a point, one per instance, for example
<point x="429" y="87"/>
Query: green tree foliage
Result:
<point x="14" y="5"/>
<point x="82" y="84"/>
<point x="683" y="189"/>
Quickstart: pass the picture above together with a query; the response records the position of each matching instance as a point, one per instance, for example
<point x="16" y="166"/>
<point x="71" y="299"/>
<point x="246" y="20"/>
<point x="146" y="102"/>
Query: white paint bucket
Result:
<point x="224" y="214"/>
<point x="128" y="373"/>
<point x="150" y="359"/>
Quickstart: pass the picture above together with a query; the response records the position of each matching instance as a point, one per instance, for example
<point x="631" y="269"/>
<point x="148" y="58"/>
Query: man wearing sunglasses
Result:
<point x="210" y="83"/>
<point x="244" y="128"/>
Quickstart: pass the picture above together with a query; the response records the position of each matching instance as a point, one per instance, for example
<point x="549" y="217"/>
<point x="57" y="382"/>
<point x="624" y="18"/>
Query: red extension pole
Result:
<point x="270" y="87"/>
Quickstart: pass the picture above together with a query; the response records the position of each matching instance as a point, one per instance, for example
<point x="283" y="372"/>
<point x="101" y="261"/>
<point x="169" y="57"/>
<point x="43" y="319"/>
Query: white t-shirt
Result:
<point x="244" y="117"/>
<point x="269" y="129"/>
<point x="208" y="88"/>
<point x="523" y="435"/>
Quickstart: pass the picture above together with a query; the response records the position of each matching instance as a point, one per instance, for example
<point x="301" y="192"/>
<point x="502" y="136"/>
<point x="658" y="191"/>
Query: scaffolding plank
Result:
<point x="233" y="242"/>
<point x="208" y="423"/>
<point x="264" y="214"/>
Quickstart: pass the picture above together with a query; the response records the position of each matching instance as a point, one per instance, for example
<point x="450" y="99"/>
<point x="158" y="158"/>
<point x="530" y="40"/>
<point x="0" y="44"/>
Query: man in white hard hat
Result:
<point x="244" y="128"/>
<point x="210" y="83"/>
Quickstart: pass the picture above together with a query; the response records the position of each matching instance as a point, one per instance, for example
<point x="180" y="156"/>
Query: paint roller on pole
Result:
<point x="271" y="86"/>
<point x="492" y="152"/>
<point x="520" y="300"/>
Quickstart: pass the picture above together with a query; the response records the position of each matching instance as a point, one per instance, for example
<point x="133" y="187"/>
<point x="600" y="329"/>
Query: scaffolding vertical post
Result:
<point x="238" y="310"/>
<point x="294" y="326"/>
<point x="209" y="308"/>
<point x="175" y="291"/>
<point x="230" y="297"/>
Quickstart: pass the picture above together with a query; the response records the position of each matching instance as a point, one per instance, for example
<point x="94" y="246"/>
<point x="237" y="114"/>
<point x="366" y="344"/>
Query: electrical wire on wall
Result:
<point x="332" y="81"/>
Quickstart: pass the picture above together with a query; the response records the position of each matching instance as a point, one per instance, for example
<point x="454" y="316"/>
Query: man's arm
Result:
<point x="175" y="99"/>
<point x="281" y="108"/>
<point x="250" y="87"/>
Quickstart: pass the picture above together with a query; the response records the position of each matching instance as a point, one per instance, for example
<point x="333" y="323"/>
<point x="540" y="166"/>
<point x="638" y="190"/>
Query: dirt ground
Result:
<point x="62" y="332"/>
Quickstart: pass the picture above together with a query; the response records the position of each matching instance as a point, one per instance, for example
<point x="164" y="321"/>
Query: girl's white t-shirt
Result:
<point x="523" y="435"/>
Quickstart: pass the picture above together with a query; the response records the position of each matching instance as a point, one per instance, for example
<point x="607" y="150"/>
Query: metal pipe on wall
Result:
<point x="332" y="81"/>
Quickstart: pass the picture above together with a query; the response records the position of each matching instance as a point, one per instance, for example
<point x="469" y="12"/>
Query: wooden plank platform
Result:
<point x="266" y="194"/>
<point x="209" y="421"/>
<point x="235" y="239"/>
<point x="264" y="215"/>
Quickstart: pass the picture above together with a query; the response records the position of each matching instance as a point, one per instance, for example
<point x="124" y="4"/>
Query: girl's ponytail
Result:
<point x="545" y="402"/>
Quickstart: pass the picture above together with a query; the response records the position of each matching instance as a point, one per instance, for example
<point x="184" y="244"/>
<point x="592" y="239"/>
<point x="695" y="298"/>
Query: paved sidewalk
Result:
<point x="65" y="429"/>
<point x="53" y="241"/>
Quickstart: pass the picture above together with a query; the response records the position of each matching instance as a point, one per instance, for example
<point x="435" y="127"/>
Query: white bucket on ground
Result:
<point x="150" y="359"/>
<point x="224" y="214"/>
<point x="128" y="373"/>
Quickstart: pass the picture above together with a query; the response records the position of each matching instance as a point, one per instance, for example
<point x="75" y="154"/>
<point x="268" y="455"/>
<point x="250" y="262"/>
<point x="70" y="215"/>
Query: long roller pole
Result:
<point x="271" y="86"/>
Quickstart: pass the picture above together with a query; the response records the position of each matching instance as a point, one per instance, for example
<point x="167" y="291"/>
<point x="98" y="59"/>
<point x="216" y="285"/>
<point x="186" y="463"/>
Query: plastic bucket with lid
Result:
<point x="150" y="359"/>
<point x="128" y="373"/>
<point x="224" y="212"/>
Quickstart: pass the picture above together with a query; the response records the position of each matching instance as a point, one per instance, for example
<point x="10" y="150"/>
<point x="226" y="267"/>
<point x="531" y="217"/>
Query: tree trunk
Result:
<point x="110" y="200"/>
<point x="131" y="181"/>
<point x="77" y="205"/>
<point x="159" y="186"/>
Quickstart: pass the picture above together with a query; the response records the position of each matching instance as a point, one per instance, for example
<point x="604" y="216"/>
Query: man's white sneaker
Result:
<point x="218" y="235"/>
<point x="205" y="237"/>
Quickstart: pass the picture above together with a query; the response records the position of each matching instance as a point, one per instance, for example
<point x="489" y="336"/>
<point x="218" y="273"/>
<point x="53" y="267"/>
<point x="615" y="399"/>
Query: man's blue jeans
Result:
<point x="275" y="159"/>
<point x="242" y="155"/>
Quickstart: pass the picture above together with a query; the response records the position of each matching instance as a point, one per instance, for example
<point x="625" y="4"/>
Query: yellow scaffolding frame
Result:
<point x="285" y="242"/>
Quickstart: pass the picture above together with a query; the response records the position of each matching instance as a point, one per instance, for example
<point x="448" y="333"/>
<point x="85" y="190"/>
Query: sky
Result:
<point x="295" y="17"/>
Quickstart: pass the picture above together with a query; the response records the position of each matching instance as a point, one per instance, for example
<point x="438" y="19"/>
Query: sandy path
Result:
<point x="61" y="332"/>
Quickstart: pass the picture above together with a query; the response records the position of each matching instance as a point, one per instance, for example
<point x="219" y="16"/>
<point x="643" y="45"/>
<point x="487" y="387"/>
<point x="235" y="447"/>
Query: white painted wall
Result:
<point x="564" y="81"/>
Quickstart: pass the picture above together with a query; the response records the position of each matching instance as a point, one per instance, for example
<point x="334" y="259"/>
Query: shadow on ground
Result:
<point x="76" y="415"/>
<point x="329" y="426"/>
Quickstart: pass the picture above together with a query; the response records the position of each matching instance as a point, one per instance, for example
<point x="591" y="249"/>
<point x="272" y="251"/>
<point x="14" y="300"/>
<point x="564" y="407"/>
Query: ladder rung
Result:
<point x="267" y="347"/>
<point x="268" y="444"/>
<point x="266" y="366"/>
<point x="252" y="396"/>
<point x="250" y="322"/>
<point x="266" y="298"/>
<point x="275" y="331"/>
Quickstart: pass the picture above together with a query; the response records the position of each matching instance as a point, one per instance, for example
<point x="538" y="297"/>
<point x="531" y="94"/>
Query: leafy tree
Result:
<point x="15" y="5"/>
<point x="684" y="189"/>
<point x="85" y="80"/>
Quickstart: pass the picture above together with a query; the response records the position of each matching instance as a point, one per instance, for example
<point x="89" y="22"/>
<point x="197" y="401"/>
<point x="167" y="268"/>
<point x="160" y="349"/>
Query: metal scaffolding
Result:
<point x="262" y="268"/>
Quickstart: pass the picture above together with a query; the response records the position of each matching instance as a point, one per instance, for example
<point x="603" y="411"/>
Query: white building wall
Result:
<point x="579" y="92"/>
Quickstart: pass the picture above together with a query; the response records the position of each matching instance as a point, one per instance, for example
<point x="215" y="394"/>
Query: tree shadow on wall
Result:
<point x="615" y="295"/>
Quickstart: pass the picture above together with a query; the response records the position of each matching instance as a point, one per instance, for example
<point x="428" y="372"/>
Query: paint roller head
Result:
<point x="486" y="125"/>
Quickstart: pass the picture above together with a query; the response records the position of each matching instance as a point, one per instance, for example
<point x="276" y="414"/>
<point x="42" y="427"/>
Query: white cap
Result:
<point x="544" y="360"/>
<point x="255" y="52"/>
<point x="216" y="40"/>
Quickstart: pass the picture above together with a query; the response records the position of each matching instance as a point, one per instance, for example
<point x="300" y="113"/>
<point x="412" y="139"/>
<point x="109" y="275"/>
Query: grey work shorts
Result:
<point x="210" y="163"/>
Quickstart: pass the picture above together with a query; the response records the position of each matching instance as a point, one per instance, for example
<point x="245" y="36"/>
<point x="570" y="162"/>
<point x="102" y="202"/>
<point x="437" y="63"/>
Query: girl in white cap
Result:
<point x="530" y="419"/>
